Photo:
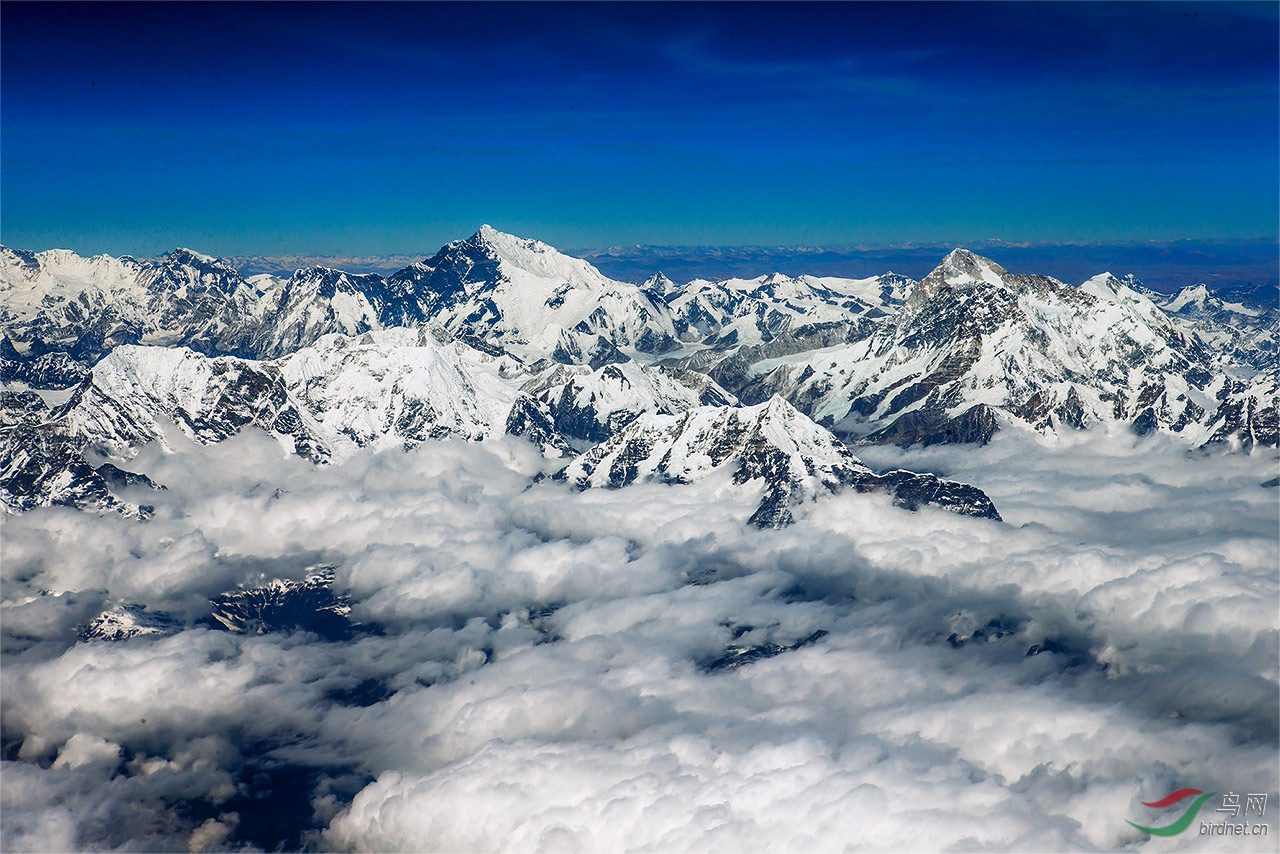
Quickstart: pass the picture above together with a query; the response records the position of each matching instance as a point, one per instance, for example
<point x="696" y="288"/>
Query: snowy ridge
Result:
<point x="771" y="445"/>
<point x="1245" y="329"/>
<point x="948" y="358"/>
<point x="975" y="345"/>
<point x="592" y="405"/>
<point x="738" y="312"/>
<point x="498" y="334"/>
<point x="124" y="621"/>
<point x="396" y="387"/>
<point x="529" y="299"/>
<point x="58" y="301"/>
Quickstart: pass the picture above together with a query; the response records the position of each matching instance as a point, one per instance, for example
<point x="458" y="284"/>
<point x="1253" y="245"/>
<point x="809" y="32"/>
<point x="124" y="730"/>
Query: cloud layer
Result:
<point x="536" y="669"/>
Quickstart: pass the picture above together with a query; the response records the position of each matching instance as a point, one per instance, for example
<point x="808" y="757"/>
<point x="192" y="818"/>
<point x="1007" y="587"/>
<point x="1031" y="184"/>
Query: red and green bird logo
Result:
<point x="1184" y="821"/>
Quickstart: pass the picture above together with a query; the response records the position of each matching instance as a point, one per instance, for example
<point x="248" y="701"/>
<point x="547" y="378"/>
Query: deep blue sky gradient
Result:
<point x="334" y="128"/>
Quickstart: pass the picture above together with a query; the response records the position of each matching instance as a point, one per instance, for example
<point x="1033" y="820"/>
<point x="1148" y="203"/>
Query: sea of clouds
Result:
<point x="538" y="669"/>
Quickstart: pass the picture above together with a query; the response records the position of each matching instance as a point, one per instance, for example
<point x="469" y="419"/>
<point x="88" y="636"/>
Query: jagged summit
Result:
<point x="948" y="358"/>
<point x="659" y="285"/>
<point x="535" y="257"/>
<point x="1192" y="295"/>
<point x="959" y="269"/>
<point x="771" y="445"/>
<point x="184" y="255"/>
<point x="533" y="301"/>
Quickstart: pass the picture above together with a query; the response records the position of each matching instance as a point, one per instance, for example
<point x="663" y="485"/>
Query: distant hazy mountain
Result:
<point x="1167" y="266"/>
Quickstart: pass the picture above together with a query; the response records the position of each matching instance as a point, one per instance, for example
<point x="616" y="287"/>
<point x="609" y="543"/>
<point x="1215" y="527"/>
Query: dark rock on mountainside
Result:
<point x="913" y="490"/>
<point x="737" y="655"/>
<point x="976" y="425"/>
<point x="792" y="459"/>
<point x="309" y="605"/>
<point x="42" y="463"/>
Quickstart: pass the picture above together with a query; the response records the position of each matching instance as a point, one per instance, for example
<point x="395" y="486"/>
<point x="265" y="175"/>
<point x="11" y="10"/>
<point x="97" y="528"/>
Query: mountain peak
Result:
<point x="961" y="268"/>
<point x="659" y="283"/>
<point x="531" y="256"/>
<point x="1191" y="297"/>
<point x="487" y="235"/>
<point x="959" y="252"/>
<point x="191" y="258"/>
<point x="966" y="263"/>
<point x="183" y="252"/>
<point x="508" y="246"/>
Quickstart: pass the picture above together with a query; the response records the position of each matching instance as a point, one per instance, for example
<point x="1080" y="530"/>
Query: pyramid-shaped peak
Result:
<point x="532" y="256"/>
<point x="487" y="235"/>
<point x="182" y="253"/>
<point x="191" y="258"/>
<point x="779" y="407"/>
<point x="1193" y="297"/>
<point x="659" y="283"/>
<point x="963" y="260"/>
<point x="960" y="269"/>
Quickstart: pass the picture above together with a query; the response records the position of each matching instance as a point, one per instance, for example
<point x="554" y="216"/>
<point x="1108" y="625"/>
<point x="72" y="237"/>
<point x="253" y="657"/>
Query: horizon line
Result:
<point x="584" y="252"/>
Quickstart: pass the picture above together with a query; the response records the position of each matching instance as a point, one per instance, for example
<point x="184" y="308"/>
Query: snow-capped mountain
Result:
<point x="499" y="335"/>
<point x="531" y="300"/>
<point x="283" y="605"/>
<point x="274" y="605"/>
<point x="395" y="387"/>
<point x="123" y="621"/>
<point x="57" y="301"/>
<point x="392" y="387"/>
<point x="974" y="345"/>
<point x="400" y="387"/>
<point x="520" y="295"/>
<point x="314" y="302"/>
<point x="42" y="463"/>
<point x="771" y="445"/>
<point x="592" y="405"/>
<point x="1243" y="326"/>
<point x="752" y="312"/>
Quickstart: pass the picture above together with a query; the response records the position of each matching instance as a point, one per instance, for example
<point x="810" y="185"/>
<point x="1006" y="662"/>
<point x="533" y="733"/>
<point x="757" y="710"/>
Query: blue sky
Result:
<point x="333" y="128"/>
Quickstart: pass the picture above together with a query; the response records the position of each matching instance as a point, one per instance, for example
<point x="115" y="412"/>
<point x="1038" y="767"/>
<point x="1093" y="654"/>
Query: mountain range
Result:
<point x="770" y="380"/>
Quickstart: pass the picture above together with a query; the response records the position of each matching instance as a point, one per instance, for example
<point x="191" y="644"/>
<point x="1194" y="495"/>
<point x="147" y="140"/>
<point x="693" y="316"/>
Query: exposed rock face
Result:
<point x="976" y="425"/>
<point x="592" y="405"/>
<point x="42" y="463"/>
<point x="973" y="344"/>
<point x="125" y="621"/>
<point x="499" y="335"/>
<point x="283" y="605"/>
<point x="278" y="605"/>
<point x="740" y="655"/>
<point x="772" y="445"/>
